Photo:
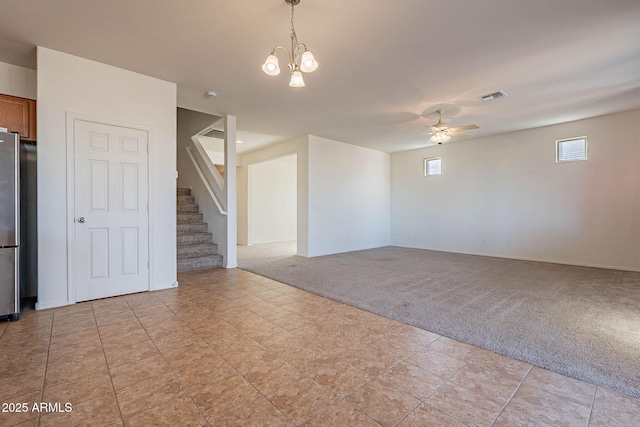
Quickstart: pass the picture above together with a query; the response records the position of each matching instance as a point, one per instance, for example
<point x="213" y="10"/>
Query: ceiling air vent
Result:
<point x="215" y="133"/>
<point x="493" y="96"/>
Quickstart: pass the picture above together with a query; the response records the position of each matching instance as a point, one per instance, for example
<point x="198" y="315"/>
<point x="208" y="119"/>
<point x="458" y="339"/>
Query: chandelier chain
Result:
<point x="294" y="36"/>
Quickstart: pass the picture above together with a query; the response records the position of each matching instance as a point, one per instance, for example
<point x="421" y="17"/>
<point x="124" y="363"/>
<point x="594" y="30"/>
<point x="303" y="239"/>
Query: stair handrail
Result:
<point x="205" y="157"/>
<point x="205" y="181"/>
<point x="210" y="172"/>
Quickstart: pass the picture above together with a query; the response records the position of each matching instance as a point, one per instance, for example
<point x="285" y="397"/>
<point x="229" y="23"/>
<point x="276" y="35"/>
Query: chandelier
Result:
<point x="300" y="58"/>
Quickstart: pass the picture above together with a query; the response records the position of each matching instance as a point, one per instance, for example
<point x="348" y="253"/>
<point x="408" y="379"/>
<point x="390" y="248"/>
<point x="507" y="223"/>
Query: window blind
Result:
<point x="572" y="149"/>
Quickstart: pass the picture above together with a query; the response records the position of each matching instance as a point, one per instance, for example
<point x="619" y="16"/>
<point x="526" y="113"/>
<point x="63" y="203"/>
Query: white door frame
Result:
<point x="71" y="118"/>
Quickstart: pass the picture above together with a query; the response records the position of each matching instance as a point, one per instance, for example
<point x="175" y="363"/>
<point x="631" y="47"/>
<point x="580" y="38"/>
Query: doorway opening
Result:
<point x="272" y="211"/>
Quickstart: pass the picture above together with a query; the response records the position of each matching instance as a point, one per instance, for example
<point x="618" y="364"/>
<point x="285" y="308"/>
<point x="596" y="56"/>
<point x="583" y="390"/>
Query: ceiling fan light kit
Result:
<point x="301" y="60"/>
<point x="441" y="132"/>
<point x="440" y="137"/>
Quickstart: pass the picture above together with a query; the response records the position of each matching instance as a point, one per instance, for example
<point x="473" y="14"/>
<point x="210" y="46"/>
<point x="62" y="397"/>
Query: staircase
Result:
<point x="196" y="251"/>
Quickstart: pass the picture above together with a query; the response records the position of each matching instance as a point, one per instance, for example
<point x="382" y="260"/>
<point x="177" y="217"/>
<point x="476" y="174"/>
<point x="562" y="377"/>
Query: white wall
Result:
<point x="68" y="84"/>
<point x="349" y="193"/>
<point x="17" y="81"/>
<point x="272" y="200"/>
<point x="231" y="191"/>
<point x="506" y="196"/>
<point x="299" y="147"/>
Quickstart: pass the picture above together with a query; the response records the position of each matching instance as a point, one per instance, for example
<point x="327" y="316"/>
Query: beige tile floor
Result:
<point x="231" y="348"/>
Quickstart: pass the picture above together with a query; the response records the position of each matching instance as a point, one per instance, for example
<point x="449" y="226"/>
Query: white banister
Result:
<point x="206" y="182"/>
<point x="208" y="164"/>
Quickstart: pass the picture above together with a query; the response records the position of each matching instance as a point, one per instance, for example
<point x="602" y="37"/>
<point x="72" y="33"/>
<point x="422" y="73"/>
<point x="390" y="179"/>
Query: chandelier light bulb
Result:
<point x="296" y="79"/>
<point x="271" y="66"/>
<point x="308" y="62"/>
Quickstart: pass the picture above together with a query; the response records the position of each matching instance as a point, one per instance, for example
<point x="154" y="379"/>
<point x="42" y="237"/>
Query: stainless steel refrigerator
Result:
<point x="9" y="225"/>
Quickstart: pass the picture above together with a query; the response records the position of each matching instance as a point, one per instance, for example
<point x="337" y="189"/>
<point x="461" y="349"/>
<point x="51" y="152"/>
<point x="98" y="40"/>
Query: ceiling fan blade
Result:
<point x="467" y="127"/>
<point x="459" y="135"/>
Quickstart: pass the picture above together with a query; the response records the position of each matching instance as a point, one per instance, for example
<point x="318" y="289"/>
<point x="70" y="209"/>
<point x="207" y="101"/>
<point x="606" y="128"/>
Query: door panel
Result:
<point x="99" y="253"/>
<point x="111" y="196"/>
<point x="130" y="250"/>
<point x="129" y="176"/>
<point x="99" y="186"/>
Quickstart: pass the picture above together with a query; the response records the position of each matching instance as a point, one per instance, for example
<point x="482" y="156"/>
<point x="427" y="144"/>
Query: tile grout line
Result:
<point x="374" y="377"/>
<point x="104" y="354"/>
<point x="397" y="362"/>
<point x="304" y="374"/>
<point x="184" y="390"/>
<point x="512" y="394"/>
<point x="46" y="366"/>
<point x="308" y="375"/>
<point x="4" y="331"/>
<point x="424" y="401"/>
<point x="232" y="367"/>
<point x="593" y="402"/>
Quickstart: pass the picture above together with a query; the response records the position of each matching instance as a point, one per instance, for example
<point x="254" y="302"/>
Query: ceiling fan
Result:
<point x="441" y="132"/>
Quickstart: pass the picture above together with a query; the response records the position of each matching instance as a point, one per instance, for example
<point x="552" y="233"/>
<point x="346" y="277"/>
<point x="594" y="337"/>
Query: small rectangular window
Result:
<point x="571" y="149"/>
<point x="433" y="166"/>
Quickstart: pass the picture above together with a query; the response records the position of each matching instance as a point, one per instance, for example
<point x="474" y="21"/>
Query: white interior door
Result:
<point x="111" y="210"/>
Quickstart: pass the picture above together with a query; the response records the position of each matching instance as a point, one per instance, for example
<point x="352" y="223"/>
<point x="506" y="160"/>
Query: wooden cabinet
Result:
<point x="18" y="115"/>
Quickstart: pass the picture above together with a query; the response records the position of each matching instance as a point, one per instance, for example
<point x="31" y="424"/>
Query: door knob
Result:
<point x="81" y="220"/>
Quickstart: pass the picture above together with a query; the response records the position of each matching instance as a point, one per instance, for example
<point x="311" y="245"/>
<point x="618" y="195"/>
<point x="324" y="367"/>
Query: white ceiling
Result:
<point x="385" y="66"/>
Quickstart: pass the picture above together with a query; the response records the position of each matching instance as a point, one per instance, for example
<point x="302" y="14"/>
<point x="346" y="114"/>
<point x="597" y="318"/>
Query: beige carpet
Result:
<point x="578" y="321"/>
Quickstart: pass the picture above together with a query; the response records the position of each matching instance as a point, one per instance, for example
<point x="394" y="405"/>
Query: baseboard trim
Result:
<point x="54" y="304"/>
